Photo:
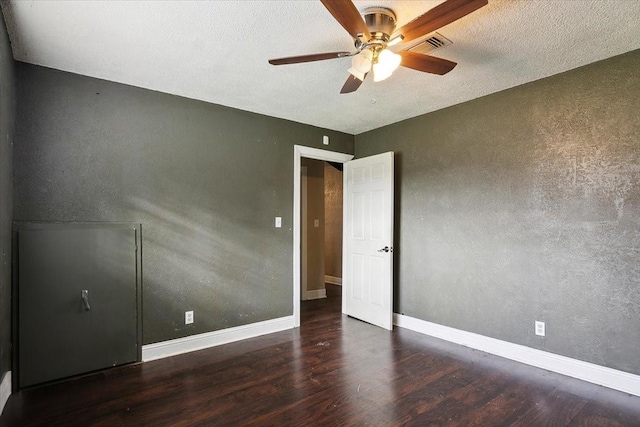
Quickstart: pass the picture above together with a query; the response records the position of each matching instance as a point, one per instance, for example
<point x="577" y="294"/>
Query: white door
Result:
<point x="368" y="240"/>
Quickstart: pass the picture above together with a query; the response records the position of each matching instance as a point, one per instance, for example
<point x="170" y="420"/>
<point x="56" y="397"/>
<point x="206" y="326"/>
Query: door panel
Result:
<point x="59" y="334"/>
<point x="367" y="270"/>
<point x="357" y="288"/>
<point x="358" y="207"/>
<point x="377" y="218"/>
<point x="377" y="282"/>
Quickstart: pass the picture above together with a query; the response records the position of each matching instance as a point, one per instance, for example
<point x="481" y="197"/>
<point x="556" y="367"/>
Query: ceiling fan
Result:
<point x="373" y="34"/>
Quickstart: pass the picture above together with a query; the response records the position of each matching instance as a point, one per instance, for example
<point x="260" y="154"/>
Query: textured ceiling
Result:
<point x="217" y="51"/>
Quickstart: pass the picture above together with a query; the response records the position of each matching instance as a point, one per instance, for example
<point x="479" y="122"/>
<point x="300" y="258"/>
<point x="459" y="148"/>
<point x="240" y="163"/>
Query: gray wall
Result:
<point x="525" y="205"/>
<point x="7" y="118"/>
<point x="205" y="181"/>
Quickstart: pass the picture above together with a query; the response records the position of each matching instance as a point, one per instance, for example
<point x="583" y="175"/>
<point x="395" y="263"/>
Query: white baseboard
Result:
<point x="5" y="390"/>
<point x="612" y="378"/>
<point x="211" y="339"/>
<point x="315" y="294"/>
<point x="333" y="280"/>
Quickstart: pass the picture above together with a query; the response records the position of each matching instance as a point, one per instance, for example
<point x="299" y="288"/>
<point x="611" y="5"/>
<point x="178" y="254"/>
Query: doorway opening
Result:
<point x="321" y="228"/>
<point x="300" y="153"/>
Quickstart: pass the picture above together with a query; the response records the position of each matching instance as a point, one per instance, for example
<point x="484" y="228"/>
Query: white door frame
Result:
<point x="300" y="151"/>
<point x="303" y="234"/>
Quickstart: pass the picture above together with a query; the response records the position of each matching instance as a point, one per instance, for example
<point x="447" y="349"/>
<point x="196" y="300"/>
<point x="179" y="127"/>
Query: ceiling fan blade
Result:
<point x="426" y="63"/>
<point x="352" y="84"/>
<point x="308" y="58"/>
<point x="441" y="15"/>
<point x="345" y="12"/>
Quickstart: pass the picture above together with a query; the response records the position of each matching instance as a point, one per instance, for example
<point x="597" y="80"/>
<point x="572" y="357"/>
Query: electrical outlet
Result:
<point x="540" y="329"/>
<point x="188" y="317"/>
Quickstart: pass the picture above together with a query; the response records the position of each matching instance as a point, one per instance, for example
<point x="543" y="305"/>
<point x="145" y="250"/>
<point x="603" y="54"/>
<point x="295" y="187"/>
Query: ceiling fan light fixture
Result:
<point x="373" y="30"/>
<point x="361" y="64"/>
<point x="387" y="62"/>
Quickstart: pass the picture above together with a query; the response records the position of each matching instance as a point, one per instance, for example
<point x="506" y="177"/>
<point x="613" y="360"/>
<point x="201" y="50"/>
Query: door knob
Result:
<point x="85" y="299"/>
<point x="386" y="249"/>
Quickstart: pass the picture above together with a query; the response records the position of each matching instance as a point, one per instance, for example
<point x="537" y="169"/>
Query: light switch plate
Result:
<point x="278" y="222"/>
<point x="316" y="223"/>
<point x="540" y="328"/>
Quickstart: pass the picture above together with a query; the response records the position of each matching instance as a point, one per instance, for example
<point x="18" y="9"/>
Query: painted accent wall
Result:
<point x="7" y="120"/>
<point x="205" y="181"/>
<point x="524" y="205"/>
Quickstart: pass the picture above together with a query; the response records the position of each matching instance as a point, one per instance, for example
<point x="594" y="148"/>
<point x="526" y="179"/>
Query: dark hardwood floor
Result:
<point x="332" y="371"/>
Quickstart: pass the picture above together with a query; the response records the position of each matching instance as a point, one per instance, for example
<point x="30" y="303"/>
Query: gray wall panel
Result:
<point x="7" y="119"/>
<point x="525" y="205"/>
<point x="58" y="335"/>
<point x="205" y="181"/>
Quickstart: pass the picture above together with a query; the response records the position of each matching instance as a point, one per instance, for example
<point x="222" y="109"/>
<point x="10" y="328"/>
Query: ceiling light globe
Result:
<point x="389" y="59"/>
<point x="380" y="73"/>
<point x="387" y="63"/>
<point x="362" y="61"/>
<point x="357" y="74"/>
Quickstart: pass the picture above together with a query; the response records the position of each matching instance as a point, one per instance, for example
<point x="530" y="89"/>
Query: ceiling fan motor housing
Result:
<point x="380" y="21"/>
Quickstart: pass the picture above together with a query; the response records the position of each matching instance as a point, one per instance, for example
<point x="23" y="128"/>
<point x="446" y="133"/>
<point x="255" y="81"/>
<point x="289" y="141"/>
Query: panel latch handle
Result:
<point x="85" y="299"/>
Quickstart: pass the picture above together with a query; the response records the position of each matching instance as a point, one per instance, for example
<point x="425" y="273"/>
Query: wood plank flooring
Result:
<point x="332" y="371"/>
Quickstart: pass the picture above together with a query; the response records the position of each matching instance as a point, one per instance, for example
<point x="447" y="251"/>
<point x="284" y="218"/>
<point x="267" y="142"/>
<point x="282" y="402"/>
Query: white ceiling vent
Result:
<point x="432" y="42"/>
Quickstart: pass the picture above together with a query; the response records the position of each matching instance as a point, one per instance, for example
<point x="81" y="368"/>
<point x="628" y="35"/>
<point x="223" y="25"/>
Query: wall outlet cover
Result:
<point x="188" y="317"/>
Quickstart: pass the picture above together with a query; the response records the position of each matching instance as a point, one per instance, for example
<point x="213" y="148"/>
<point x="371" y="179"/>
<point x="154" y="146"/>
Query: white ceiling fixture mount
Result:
<point x="373" y="54"/>
<point x="375" y="31"/>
